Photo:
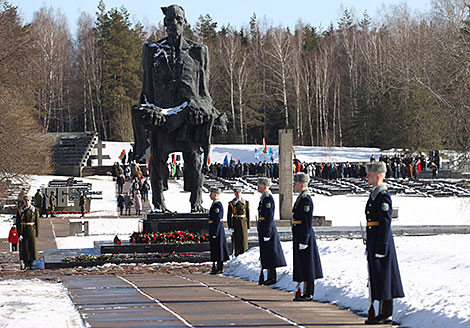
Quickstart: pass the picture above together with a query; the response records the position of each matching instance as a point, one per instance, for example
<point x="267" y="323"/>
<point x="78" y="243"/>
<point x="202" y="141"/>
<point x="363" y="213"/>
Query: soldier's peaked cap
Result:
<point x="26" y="197"/>
<point x="237" y="189"/>
<point x="215" y="190"/>
<point x="301" y="177"/>
<point x="264" y="181"/>
<point x="376" y="167"/>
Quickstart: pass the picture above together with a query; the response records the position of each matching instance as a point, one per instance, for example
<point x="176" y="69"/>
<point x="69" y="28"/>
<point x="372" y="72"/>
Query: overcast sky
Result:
<point x="319" y="13"/>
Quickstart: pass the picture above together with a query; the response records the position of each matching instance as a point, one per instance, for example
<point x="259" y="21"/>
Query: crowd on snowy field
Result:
<point x="236" y="170"/>
<point x="398" y="166"/>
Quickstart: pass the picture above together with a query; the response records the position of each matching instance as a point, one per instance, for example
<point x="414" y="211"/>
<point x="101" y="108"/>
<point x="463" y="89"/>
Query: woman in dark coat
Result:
<point x="270" y="248"/>
<point x="217" y="239"/>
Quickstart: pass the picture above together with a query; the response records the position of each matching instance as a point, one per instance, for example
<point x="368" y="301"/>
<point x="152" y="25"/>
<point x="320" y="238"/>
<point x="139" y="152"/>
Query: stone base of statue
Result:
<point x="166" y="222"/>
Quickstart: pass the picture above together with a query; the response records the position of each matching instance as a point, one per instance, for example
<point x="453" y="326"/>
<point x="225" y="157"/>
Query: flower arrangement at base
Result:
<point x="174" y="237"/>
<point x="128" y="258"/>
<point x="68" y="212"/>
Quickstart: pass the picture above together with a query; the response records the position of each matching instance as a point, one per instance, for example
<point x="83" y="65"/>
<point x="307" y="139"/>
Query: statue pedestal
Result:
<point x="166" y="222"/>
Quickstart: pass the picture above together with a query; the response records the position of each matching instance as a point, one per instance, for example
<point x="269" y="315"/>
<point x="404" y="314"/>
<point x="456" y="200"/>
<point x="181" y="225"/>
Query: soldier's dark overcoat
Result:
<point x="271" y="252"/>
<point x="307" y="265"/>
<point x="27" y="223"/>
<point x="218" y="245"/>
<point x="384" y="272"/>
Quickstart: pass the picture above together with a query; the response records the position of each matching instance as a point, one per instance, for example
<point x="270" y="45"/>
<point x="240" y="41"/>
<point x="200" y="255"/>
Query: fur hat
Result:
<point x="301" y="177"/>
<point x="215" y="190"/>
<point x="376" y="167"/>
<point x="264" y="181"/>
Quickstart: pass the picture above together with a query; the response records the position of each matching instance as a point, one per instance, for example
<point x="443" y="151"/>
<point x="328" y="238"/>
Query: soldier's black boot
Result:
<point x="272" y="277"/>
<point x="385" y="312"/>
<point x="220" y="267"/>
<point x="261" y="277"/>
<point x="308" y="292"/>
<point x="213" y="270"/>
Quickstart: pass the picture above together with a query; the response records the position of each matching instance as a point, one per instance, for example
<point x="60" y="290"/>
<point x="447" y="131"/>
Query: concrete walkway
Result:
<point x="196" y="300"/>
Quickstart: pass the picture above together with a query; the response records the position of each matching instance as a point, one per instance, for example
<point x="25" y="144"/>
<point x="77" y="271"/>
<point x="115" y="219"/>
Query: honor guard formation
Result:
<point x="384" y="275"/>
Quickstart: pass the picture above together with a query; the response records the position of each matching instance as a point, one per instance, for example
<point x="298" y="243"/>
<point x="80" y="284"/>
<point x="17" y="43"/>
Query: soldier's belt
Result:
<point x="239" y="216"/>
<point x="27" y="223"/>
<point x="297" y="222"/>
<point x="261" y="218"/>
<point x="373" y="223"/>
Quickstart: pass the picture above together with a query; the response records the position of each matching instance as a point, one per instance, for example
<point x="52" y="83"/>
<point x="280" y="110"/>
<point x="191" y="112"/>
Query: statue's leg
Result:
<point x="194" y="173"/>
<point x="141" y="134"/>
<point x="158" y="176"/>
<point x="188" y="169"/>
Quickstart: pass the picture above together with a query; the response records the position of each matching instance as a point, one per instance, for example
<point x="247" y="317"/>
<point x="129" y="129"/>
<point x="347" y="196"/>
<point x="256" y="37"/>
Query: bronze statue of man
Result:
<point x="175" y="111"/>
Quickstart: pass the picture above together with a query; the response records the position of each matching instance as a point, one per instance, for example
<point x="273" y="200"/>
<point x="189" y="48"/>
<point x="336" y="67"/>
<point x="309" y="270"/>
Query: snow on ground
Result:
<point x="246" y="153"/>
<point x="434" y="272"/>
<point x="114" y="149"/>
<point x="343" y="210"/>
<point x="347" y="210"/>
<point x="36" y="303"/>
<point x="75" y="242"/>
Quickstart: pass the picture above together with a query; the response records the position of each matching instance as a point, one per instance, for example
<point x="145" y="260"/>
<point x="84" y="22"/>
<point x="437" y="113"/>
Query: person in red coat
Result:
<point x="13" y="238"/>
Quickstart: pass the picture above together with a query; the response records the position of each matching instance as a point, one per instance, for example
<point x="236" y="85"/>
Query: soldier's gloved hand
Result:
<point x="302" y="247"/>
<point x="214" y="236"/>
<point x="266" y="238"/>
<point x="379" y="256"/>
<point x="231" y="230"/>
<point x="20" y="238"/>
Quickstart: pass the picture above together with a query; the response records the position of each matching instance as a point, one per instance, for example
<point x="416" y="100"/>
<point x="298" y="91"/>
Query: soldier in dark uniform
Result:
<point x="238" y="220"/>
<point x="52" y="201"/>
<point x="27" y="221"/>
<point x="385" y="281"/>
<point x="271" y="253"/>
<point x="217" y="239"/>
<point x="307" y="265"/>
<point x="82" y="203"/>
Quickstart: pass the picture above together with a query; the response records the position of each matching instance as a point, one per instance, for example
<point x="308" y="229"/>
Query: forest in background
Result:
<point x="396" y="81"/>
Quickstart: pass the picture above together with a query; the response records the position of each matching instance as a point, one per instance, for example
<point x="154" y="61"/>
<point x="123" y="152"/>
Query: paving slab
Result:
<point x="107" y="301"/>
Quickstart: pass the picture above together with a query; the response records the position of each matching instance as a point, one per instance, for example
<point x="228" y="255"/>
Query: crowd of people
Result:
<point x="398" y="167"/>
<point x="138" y="191"/>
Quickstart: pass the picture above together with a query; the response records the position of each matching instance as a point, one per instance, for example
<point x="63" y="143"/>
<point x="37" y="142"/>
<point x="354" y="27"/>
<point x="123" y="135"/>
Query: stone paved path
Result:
<point x="196" y="300"/>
